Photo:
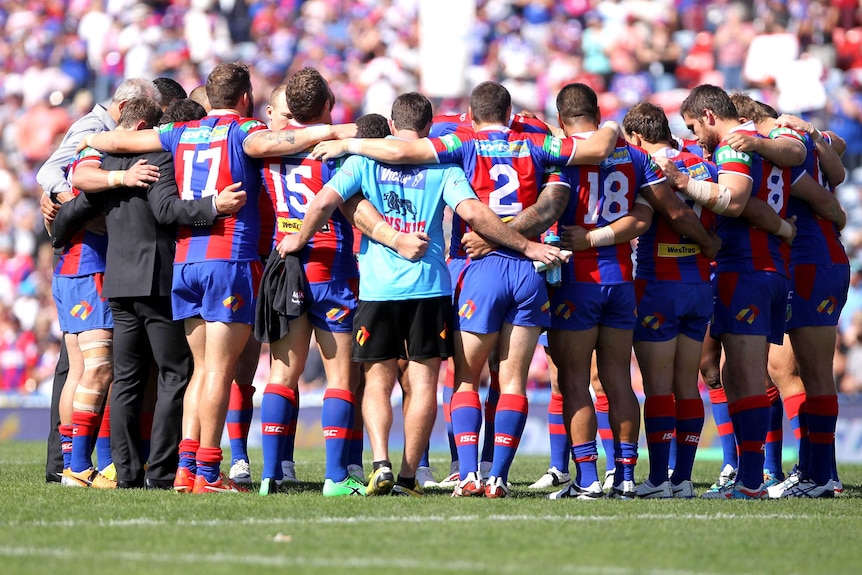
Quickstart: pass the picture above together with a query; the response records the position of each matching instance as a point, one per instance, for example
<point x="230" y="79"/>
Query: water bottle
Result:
<point x="553" y="276"/>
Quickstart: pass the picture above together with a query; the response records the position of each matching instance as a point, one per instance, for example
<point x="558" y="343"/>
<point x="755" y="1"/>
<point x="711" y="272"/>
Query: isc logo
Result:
<point x="467" y="438"/>
<point x="270" y="428"/>
<point x="667" y="436"/>
<point x="503" y="440"/>
<point x="330" y="432"/>
<point x="691" y="438"/>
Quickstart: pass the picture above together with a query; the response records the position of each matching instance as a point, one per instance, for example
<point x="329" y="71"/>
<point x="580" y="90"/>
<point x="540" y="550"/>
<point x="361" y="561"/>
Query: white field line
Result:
<point x="147" y="521"/>
<point x="328" y="563"/>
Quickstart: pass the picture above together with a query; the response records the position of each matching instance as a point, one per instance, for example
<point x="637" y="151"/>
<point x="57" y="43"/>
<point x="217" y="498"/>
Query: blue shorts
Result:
<point x="750" y="303"/>
<point x="333" y="305"/>
<point x="580" y="306"/>
<point x="456" y="268"/>
<point x="669" y="309"/>
<point x="80" y="305"/>
<point x="216" y="291"/>
<point x="818" y="295"/>
<point x="497" y="289"/>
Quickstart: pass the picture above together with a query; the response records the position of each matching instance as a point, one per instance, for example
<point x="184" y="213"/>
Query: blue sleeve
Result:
<point x="456" y="187"/>
<point x="347" y="181"/>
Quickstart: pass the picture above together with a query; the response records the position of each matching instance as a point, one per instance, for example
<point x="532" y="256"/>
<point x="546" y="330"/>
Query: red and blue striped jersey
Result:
<point x="745" y="248"/>
<point x="267" y="225"/>
<point x="208" y="157"/>
<point x="85" y="254"/>
<point x="601" y="195"/>
<point x="690" y="146"/>
<point x="662" y="253"/>
<point x="292" y="182"/>
<point x="506" y="169"/>
<point x="817" y="240"/>
<point x="450" y="123"/>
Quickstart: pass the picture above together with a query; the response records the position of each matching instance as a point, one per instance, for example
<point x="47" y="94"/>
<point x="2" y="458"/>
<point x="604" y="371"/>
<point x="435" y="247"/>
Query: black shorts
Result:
<point x="405" y="329"/>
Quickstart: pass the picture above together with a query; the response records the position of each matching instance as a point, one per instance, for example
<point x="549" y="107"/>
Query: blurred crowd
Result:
<point x="59" y="57"/>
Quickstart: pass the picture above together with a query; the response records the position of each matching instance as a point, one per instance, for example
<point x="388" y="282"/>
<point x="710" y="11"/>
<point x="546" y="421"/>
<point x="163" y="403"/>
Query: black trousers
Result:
<point x="144" y="330"/>
<point x="54" y="460"/>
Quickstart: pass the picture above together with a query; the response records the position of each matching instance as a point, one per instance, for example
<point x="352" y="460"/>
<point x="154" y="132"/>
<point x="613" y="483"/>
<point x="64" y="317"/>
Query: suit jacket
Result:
<point x="141" y="224"/>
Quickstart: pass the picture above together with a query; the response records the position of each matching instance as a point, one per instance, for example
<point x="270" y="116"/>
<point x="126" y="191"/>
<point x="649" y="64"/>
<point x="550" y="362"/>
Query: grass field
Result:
<point x="51" y="529"/>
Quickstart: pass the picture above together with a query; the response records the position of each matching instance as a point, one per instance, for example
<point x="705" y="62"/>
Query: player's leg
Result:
<point x="67" y="396"/>
<point x="603" y="424"/>
<point x="689" y="412"/>
<point x="191" y="426"/>
<point x="773" y="473"/>
<point x="423" y="472"/>
<point x="289" y="355"/>
<point x="558" y="433"/>
<point x="572" y="352"/>
<point x="492" y="398"/>
<point x="377" y="412"/>
<point x="240" y="411"/>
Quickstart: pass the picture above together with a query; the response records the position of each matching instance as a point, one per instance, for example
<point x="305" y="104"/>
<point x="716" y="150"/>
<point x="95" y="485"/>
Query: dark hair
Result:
<point x="649" y="121"/>
<point x="578" y="101"/>
<point x="184" y="110"/>
<point x="751" y="109"/>
<point x="490" y="103"/>
<point x="709" y="97"/>
<point x="411" y="111"/>
<point x="138" y="109"/>
<point x="307" y="94"/>
<point x="372" y="126"/>
<point x="226" y="84"/>
<point x="170" y="90"/>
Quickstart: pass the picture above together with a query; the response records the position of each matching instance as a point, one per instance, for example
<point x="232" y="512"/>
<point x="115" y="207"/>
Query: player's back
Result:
<point x="208" y="157"/>
<point x="601" y="195"/>
<point x="745" y="248"/>
<point x="662" y="253"/>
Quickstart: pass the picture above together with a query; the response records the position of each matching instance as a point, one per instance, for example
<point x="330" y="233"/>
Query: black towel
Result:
<point x="284" y="295"/>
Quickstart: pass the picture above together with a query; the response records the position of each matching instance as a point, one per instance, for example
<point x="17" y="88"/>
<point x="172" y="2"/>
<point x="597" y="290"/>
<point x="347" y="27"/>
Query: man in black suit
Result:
<point x="141" y="225"/>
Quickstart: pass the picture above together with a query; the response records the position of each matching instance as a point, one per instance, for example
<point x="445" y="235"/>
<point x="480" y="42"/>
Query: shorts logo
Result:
<point x="546" y="306"/>
<point x="82" y="310"/>
<point x="337" y="314"/>
<point x="827" y="305"/>
<point x="748" y="314"/>
<point x="467" y="309"/>
<point x="298" y="297"/>
<point x="565" y="310"/>
<point x="233" y="302"/>
<point x="445" y="332"/>
<point x="362" y="335"/>
<point x="653" y="321"/>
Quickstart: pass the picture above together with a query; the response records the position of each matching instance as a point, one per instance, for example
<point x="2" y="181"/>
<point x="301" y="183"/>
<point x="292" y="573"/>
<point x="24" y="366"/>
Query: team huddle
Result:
<point x="223" y="232"/>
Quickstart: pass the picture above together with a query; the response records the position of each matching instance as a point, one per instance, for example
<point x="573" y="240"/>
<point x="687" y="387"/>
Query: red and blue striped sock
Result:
<point x="354" y="451"/>
<point x="509" y="427"/>
<point x="603" y="423"/>
<point x="336" y="419"/>
<point x="85" y="425"/>
<point x="448" y="389"/>
<point x="275" y="414"/>
<point x="774" y="435"/>
<point x="585" y="455"/>
<point x="724" y="425"/>
<point x="103" y="439"/>
<point x="240" y="411"/>
<point x="751" y="424"/>
<point x="491" y="401"/>
<point x="557" y="432"/>
<point x="209" y="463"/>
<point x="689" y="425"/>
<point x="466" y="421"/>
<point x="625" y="459"/>
<point x="794" y="407"/>
<point x="146" y="434"/>
<point x="189" y="454"/>
<point x="290" y="432"/>
<point x="822" y="414"/>
<point x="659" y="423"/>
<point x="66" y="432"/>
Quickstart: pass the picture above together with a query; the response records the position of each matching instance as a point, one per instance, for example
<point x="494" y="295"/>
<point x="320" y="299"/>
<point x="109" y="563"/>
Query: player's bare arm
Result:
<point x="90" y="177"/>
<point x="829" y="155"/>
<point x="623" y="230"/>
<point x="123" y="142"/>
<point x="782" y="151"/>
<point x="389" y="150"/>
<point x="824" y="203"/>
<point x="727" y="197"/>
<point x="486" y="222"/>
<point x="598" y="146"/>
<point x="369" y="221"/>
<point x="266" y="143"/>
<point x="681" y="218"/>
